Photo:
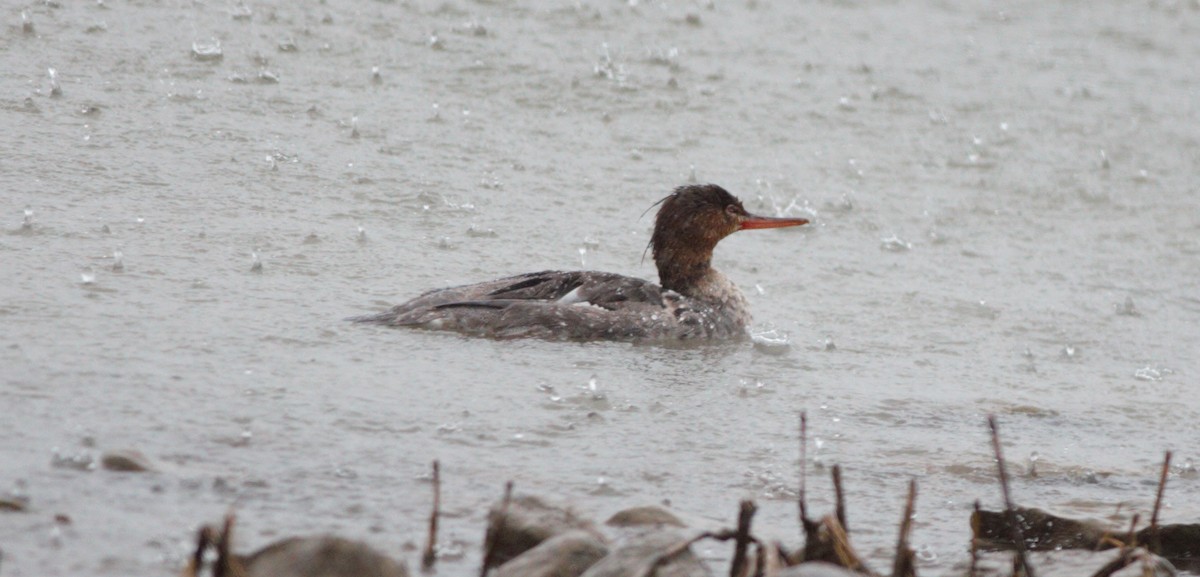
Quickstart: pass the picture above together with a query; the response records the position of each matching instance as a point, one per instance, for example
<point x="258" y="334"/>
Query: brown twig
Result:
<point x="1131" y="539"/>
<point x="678" y="549"/>
<point x="765" y="555"/>
<point x="489" y="546"/>
<point x="742" y="538"/>
<point x="840" y="498"/>
<point x="904" y="564"/>
<point x="975" y="542"/>
<point x="804" y="519"/>
<point x="1013" y="524"/>
<point x="1107" y="538"/>
<point x="1125" y="559"/>
<point x="810" y="526"/>
<point x="839" y="541"/>
<point x="204" y="540"/>
<point x="429" y="558"/>
<point x="1155" y="542"/>
<point x="223" y="566"/>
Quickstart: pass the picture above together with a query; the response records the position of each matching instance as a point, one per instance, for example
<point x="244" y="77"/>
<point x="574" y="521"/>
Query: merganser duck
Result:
<point x="692" y="301"/>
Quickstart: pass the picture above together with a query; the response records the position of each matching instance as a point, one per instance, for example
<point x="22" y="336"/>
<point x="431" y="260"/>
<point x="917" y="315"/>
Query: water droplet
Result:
<point x="1148" y="373"/>
<point x="1127" y="308"/>
<point x="210" y="52"/>
<point x="82" y="461"/>
<point x="1104" y="159"/>
<point x="771" y="342"/>
<point x="27" y="222"/>
<point x="118" y="261"/>
<point x="55" y="88"/>
<point x="375" y="76"/>
<point x="353" y="127"/>
<point x="26" y="23"/>
<point x="256" y="264"/>
<point x="241" y="11"/>
<point x="895" y="244"/>
<point x="87" y="276"/>
<point x="435" y="42"/>
<point x="362" y="235"/>
<point x="1068" y="351"/>
<point x="829" y="344"/>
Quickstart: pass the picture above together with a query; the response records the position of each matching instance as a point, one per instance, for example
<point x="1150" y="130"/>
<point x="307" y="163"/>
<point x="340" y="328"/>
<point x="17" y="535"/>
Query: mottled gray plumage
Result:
<point x="695" y="301"/>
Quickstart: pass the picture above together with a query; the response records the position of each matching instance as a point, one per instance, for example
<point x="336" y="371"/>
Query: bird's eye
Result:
<point x="732" y="209"/>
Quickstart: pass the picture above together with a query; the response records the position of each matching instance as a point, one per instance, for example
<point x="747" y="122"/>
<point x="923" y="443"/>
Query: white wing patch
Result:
<point x="574" y="298"/>
<point x="571" y="298"/>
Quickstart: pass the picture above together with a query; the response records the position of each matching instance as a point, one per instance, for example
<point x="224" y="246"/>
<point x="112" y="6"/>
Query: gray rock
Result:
<point x="644" y="516"/>
<point x="126" y="461"/>
<point x="565" y="555"/>
<point x="529" y="521"/>
<point x="635" y="556"/>
<point x="321" y="557"/>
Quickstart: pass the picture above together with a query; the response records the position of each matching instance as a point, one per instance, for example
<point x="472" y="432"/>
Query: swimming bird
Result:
<point x="692" y="300"/>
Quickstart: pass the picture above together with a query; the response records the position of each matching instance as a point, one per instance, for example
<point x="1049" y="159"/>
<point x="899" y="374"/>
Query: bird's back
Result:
<point x="580" y="305"/>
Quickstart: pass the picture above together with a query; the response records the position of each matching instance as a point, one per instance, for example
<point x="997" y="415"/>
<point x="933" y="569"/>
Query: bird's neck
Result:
<point x="683" y="269"/>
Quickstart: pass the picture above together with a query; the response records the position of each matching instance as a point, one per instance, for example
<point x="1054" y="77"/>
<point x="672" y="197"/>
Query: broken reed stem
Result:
<point x="742" y="538"/>
<point x="975" y="543"/>
<point x="1014" y="527"/>
<point x="1155" y="543"/>
<point x="1126" y="558"/>
<point x="840" y="498"/>
<point x="489" y="551"/>
<point x="840" y="541"/>
<point x="903" y="565"/>
<point x="678" y="548"/>
<point x="1131" y="538"/>
<point x="804" y="521"/>
<point x="204" y="540"/>
<point x="429" y="558"/>
<point x="761" y="552"/>
<point x="224" y="566"/>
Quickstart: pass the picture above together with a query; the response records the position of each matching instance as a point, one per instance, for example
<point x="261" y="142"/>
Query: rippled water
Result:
<point x="1006" y="222"/>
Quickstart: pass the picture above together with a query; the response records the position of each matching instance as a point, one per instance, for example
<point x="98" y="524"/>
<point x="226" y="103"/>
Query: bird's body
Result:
<point x="693" y="301"/>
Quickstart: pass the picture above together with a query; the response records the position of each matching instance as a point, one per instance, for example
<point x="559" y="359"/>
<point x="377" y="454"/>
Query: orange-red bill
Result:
<point x="754" y="222"/>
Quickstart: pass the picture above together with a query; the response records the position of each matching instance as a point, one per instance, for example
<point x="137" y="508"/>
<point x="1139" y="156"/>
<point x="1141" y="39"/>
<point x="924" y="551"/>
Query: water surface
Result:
<point x="1006" y="222"/>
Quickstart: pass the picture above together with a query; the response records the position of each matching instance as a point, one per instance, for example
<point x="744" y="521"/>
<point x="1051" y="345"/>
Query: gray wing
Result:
<point x="548" y="304"/>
